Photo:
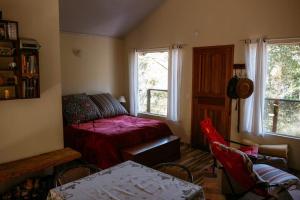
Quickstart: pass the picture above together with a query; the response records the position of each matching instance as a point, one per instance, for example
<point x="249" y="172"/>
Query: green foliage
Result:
<point x="153" y="74"/>
<point x="159" y="102"/>
<point x="283" y="84"/>
<point x="284" y="70"/>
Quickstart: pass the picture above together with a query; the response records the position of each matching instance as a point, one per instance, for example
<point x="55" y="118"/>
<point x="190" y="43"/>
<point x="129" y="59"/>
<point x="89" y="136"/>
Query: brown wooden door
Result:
<point x="212" y="69"/>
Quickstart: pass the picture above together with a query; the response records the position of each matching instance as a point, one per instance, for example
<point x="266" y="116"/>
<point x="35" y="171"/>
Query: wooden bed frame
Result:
<point x="165" y="149"/>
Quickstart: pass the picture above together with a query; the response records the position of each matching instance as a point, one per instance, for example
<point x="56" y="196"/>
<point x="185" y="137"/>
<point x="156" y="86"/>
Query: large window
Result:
<point x="153" y="82"/>
<point x="282" y="102"/>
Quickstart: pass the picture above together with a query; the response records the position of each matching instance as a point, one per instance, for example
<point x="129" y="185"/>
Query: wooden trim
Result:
<point x="25" y="166"/>
<point x="7" y="21"/>
<point x="212" y="47"/>
<point x="161" y="150"/>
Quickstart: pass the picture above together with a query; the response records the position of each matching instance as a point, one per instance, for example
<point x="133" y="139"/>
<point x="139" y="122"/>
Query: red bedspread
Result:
<point x="100" y="141"/>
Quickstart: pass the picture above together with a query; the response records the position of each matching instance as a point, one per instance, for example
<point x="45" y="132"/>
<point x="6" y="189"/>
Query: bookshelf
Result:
<point x="19" y="64"/>
<point x="30" y="86"/>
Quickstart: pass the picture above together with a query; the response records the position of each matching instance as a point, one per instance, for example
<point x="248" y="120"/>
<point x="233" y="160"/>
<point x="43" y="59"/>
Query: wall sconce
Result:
<point x="76" y="52"/>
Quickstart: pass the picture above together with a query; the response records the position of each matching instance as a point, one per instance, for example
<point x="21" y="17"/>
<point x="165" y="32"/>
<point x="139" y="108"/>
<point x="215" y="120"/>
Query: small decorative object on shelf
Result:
<point x="19" y="64"/>
<point x="7" y="92"/>
<point x="12" y="65"/>
<point x="6" y="51"/>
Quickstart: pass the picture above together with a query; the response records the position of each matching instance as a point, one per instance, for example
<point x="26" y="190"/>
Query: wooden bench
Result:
<point x="15" y="169"/>
<point x="166" y="149"/>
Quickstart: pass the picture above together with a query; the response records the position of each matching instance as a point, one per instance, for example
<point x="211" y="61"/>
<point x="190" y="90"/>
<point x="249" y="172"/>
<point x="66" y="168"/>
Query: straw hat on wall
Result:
<point x="244" y="88"/>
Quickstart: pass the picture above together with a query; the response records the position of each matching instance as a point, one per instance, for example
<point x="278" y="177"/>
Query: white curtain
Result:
<point x="174" y="83"/>
<point x="133" y="82"/>
<point x="256" y="66"/>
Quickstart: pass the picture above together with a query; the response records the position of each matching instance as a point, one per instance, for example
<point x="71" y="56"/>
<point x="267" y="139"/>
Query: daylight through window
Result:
<point x="282" y="102"/>
<point x="153" y="82"/>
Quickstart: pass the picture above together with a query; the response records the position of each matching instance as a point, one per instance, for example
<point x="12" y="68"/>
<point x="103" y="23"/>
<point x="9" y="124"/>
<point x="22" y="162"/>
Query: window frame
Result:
<point x="287" y="41"/>
<point x="153" y="50"/>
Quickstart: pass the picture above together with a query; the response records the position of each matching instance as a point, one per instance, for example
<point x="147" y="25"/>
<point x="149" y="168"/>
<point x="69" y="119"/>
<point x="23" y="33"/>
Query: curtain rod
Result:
<point x="161" y="47"/>
<point x="288" y="38"/>
<point x="152" y="48"/>
<point x="274" y="39"/>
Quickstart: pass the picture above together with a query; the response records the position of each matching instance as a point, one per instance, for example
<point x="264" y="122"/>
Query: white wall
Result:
<point x="31" y="127"/>
<point x="217" y="23"/>
<point x="98" y="68"/>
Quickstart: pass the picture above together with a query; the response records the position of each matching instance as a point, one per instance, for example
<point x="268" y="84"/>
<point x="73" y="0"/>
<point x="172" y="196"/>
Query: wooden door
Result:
<point x="212" y="69"/>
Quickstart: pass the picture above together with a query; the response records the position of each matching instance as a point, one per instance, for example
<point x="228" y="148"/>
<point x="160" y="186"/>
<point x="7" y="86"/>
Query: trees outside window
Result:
<point x="282" y="102"/>
<point x="153" y="82"/>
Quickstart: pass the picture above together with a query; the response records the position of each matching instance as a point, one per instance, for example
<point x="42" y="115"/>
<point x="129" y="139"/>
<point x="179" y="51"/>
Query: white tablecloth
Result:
<point x="127" y="180"/>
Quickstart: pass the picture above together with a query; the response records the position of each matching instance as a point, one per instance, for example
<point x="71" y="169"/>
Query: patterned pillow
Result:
<point x="237" y="164"/>
<point x="108" y="106"/>
<point x="79" y="108"/>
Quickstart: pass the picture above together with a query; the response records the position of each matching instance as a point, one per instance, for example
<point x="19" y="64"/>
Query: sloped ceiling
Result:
<point x="113" y="18"/>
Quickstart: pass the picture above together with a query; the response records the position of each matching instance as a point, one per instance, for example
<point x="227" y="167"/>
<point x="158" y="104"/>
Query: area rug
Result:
<point x="197" y="161"/>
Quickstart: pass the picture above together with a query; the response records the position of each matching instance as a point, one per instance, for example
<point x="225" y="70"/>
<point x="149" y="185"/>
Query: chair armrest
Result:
<point x="170" y="164"/>
<point x="234" y="142"/>
<point x="276" y="150"/>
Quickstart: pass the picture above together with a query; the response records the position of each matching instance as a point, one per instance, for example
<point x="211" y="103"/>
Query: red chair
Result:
<point x="212" y="135"/>
<point x="261" y="179"/>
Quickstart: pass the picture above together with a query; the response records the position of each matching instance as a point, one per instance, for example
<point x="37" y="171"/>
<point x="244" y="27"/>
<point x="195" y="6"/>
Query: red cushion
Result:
<point x="236" y="163"/>
<point x="250" y="150"/>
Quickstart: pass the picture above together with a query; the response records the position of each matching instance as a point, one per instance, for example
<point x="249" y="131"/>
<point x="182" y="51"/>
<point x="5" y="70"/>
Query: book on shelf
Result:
<point x="29" y="64"/>
<point x="24" y="89"/>
<point x="32" y="64"/>
<point x="8" y="30"/>
<point x="3" y="34"/>
<point x="29" y="88"/>
<point x="12" y="31"/>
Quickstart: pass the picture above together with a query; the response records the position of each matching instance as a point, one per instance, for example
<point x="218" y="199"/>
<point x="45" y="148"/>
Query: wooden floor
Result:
<point x="199" y="163"/>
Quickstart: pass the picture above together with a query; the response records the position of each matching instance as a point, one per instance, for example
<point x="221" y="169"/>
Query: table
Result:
<point x="127" y="181"/>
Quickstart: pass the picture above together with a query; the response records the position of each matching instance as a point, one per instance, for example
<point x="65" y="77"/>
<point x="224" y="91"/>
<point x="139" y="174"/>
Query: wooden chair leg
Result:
<point x="214" y="167"/>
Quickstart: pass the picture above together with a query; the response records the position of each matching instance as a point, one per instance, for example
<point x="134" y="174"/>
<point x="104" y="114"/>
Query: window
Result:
<point x="153" y="82"/>
<point x="282" y="96"/>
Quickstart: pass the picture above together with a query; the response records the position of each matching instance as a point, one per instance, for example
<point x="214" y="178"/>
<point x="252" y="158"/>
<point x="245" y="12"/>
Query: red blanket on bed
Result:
<point x="100" y="141"/>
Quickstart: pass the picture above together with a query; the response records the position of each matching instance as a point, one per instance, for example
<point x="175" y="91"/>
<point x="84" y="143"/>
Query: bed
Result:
<point x="102" y="134"/>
